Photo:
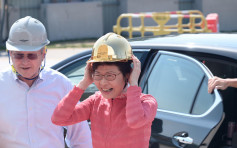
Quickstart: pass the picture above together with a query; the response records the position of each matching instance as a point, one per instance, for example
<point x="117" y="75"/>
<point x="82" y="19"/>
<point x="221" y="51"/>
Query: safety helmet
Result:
<point x="111" y="48"/>
<point x="27" y="34"/>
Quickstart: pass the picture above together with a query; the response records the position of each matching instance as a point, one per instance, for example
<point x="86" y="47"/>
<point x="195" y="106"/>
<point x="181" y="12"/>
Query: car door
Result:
<point x="187" y="115"/>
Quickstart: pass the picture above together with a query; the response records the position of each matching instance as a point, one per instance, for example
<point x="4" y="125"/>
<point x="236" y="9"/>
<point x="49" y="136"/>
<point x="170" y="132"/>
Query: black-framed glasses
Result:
<point x="109" y="76"/>
<point x="30" y="56"/>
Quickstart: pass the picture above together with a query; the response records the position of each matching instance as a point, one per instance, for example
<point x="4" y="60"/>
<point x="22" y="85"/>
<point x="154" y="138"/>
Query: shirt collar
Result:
<point x="14" y="75"/>
<point x="41" y="76"/>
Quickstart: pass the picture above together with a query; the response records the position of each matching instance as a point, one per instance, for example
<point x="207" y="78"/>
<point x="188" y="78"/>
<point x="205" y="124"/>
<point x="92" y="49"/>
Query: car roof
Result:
<point x="223" y="44"/>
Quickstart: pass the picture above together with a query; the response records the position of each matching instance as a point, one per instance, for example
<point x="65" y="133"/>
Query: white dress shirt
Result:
<point x="25" y="113"/>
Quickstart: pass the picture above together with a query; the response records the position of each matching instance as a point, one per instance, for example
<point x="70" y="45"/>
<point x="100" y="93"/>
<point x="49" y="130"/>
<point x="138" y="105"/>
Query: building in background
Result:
<point x="79" y="19"/>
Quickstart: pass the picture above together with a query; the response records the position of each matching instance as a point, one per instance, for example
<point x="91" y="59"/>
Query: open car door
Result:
<point x="187" y="115"/>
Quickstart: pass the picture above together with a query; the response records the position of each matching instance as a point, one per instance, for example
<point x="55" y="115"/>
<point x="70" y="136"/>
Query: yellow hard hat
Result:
<point x="111" y="48"/>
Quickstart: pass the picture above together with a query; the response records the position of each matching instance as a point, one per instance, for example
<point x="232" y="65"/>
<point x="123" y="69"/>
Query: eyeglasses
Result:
<point x="30" y="56"/>
<point x="109" y="76"/>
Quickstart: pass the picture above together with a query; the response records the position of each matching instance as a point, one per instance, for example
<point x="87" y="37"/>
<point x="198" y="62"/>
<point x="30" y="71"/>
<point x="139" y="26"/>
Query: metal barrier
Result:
<point x="190" y="21"/>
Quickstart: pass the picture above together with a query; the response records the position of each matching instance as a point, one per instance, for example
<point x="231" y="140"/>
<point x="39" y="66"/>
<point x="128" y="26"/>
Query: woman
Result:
<point x="120" y="115"/>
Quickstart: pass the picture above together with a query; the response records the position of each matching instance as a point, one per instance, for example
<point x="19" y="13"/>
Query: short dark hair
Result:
<point x="124" y="67"/>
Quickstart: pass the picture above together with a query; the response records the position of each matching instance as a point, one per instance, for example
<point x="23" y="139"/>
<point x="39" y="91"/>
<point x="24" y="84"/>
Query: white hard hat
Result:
<point x="27" y="34"/>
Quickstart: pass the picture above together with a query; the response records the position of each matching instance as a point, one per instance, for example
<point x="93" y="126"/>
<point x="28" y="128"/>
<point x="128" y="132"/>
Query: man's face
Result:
<point x="27" y="63"/>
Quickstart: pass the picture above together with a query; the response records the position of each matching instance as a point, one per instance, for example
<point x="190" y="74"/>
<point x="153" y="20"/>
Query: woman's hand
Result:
<point x="87" y="79"/>
<point x="133" y="78"/>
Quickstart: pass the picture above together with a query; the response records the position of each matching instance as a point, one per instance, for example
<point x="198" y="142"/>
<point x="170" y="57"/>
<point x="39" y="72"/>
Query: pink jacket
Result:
<point x="123" y="122"/>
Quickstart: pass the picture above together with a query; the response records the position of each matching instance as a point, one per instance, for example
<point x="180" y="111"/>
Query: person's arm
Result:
<point x="79" y="135"/>
<point x="140" y="108"/>
<point x="220" y="83"/>
<point x="68" y="111"/>
<point x="232" y="82"/>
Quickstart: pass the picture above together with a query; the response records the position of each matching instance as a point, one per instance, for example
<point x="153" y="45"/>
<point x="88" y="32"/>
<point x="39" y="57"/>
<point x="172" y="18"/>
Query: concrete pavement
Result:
<point x="53" y="56"/>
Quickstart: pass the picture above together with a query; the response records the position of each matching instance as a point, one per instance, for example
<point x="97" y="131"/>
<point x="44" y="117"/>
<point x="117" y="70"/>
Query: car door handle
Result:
<point x="184" y="140"/>
<point x="181" y="139"/>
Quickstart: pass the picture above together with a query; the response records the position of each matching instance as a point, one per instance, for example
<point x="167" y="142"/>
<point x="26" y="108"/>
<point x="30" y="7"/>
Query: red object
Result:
<point x="213" y="22"/>
<point x="122" y="122"/>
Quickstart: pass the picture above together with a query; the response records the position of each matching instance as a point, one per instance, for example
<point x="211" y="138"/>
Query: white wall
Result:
<point x="66" y="21"/>
<point x="134" y="6"/>
<point x="75" y="20"/>
<point x="227" y="11"/>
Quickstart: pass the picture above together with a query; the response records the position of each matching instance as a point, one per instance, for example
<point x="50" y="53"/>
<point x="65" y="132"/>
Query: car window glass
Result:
<point x="138" y="55"/>
<point x="174" y="82"/>
<point x="204" y="100"/>
<point x="75" y="72"/>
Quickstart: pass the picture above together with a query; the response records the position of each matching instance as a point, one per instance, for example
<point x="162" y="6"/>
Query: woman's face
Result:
<point x="108" y="87"/>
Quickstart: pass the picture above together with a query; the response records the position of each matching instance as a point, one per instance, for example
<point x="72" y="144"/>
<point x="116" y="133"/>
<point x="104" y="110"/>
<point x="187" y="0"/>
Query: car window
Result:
<point x="204" y="100"/>
<point x="75" y="72"/>
<point x="138" y="55"/>
<point x="174" y="82"/>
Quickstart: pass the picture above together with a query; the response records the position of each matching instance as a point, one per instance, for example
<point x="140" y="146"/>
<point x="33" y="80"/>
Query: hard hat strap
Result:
<point x="42" y="67"/>
<point x="8" y="53"/>
<point x="14" y="70"/>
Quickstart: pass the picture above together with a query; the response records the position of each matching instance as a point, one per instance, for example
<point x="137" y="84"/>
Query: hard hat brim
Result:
<point x="25" y="47"/>
<point x="113" y="60"/>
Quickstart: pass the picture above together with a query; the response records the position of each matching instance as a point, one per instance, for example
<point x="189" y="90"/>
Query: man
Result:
<point x="220" y="83"/>
<point x="30" y="93"/>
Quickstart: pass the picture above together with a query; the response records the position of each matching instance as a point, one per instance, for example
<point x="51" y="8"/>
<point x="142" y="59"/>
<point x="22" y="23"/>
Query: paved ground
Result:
<point x="53" y="56"/>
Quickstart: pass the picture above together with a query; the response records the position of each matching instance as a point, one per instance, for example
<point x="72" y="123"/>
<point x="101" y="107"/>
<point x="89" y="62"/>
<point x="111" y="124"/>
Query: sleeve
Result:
<point x="79" y="135"/>
<point x="69" y="111"/>
<point x="140" y="108"/>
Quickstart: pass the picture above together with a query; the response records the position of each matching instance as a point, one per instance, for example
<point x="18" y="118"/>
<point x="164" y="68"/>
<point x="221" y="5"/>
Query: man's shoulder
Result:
<point x="56" y="79"/>
<point x="49" y="73"/>
<point x="5" y="74"/>
<point x="6" y="78"/>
